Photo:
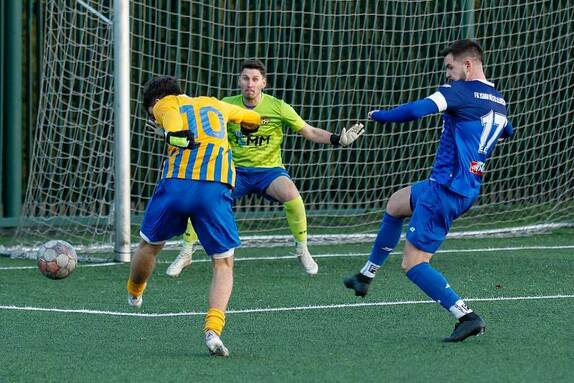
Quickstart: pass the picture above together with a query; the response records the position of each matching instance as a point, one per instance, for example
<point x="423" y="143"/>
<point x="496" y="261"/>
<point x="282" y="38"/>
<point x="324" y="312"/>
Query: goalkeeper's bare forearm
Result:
<point x="321" y="136"/>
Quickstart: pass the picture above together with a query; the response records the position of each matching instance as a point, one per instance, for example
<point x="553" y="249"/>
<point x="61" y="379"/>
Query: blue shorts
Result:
<point x="256" y="180"/>
<point x="434" y="208"/>
<point x="207" y="204"/>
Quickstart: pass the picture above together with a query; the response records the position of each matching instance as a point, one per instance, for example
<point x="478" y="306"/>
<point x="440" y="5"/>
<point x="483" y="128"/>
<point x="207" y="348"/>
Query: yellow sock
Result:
<point x="214" y="321"/>
<point x="190" y="236"/>
<point x="136" y="289"/>
<point x="296" y="218"/>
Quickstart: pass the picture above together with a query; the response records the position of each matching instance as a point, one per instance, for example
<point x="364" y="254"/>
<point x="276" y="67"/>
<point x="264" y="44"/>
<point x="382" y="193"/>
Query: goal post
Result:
<point x="121" y="33"/>
<point x="333" y="61"/>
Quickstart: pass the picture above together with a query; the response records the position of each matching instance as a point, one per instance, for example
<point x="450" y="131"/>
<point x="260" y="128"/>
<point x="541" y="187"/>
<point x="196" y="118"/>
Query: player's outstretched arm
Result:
<point x="248" y="119"/>
<point x="321" y="136"/>
<point x="166" y="115"/>
<point x="406" y="112"/>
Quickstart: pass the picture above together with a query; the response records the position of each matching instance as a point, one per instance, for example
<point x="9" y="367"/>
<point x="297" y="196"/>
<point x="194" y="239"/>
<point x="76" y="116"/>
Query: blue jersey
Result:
<point x="474" y="118"/>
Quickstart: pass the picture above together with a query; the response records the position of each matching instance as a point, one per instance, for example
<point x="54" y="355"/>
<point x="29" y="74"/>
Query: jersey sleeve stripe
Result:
<point x="439" y="100"/>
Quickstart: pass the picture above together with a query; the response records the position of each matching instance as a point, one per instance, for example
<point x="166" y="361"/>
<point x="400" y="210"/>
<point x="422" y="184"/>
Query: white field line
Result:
<point x="35" y="267"/>
<point x="333" y="255"/>
<point x="267" y="241"/>
<point x="273" y="309"/>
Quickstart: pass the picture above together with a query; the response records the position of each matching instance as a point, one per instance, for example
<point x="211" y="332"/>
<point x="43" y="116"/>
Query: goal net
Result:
<point x="333" y="61"/>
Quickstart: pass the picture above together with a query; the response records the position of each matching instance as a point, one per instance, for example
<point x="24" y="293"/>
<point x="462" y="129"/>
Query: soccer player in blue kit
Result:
<point x="474" y="119"/>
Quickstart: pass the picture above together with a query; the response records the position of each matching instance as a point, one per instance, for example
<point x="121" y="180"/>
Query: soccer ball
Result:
<point x="57" y="259"/>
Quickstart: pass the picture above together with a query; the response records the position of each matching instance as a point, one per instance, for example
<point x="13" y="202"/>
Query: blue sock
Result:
<point x="434" y="284"/>
<point x="387" y="239"/>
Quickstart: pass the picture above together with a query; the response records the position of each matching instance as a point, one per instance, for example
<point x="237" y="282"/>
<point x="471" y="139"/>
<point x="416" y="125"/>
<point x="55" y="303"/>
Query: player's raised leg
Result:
<point x="142" y="265"/>
<point x="418" y="269"/>
<point x="284" y="190"/>
<point x="164" y="218"/>
<point x="435" y="208"/>
<point x="184" y="258"/>
<point x="387" y="239"/>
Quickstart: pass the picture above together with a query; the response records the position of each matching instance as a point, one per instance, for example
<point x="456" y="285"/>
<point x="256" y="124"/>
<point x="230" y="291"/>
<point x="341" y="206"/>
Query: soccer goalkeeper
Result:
<point x="257" y="158"/>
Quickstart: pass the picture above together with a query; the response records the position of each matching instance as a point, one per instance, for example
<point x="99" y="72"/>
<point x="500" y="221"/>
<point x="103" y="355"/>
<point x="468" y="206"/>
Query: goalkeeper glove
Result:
<point x="246" y="130"/>
<point x="347" y="137"/>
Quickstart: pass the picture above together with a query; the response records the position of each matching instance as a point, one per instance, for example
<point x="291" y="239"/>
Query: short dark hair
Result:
<point x="253" y="64"/>
<point x="159" y="87"/>
<point x="465" y="47"/>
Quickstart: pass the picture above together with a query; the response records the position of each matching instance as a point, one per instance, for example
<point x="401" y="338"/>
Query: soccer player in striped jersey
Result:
<point x="257" y="157"/>
<point x="196" y="184"/>
<point x="474" y="119"/>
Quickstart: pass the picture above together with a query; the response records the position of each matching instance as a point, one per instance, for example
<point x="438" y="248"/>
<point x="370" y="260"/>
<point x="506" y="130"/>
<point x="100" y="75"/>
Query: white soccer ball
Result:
<point x="57" y="259"/>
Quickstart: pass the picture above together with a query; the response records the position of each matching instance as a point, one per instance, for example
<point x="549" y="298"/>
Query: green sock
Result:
<point x="296" y="218"/>
<point x="190" y="236"/>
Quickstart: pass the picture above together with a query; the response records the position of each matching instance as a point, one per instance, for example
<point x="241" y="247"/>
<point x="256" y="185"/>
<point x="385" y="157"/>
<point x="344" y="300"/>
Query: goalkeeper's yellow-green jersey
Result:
<point x="263" y="148"/>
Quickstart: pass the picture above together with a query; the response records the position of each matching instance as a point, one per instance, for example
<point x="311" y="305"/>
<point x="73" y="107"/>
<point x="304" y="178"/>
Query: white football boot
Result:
<point x="215" y="345"/>
<point x="135" y="301"/>
<point x="305" y="258"/>
<point x="182" y="261"/>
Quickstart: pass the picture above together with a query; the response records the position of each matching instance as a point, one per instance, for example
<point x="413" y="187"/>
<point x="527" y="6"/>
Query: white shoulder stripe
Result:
<point x="439" y="100"/>
<point x="487" y="83"/>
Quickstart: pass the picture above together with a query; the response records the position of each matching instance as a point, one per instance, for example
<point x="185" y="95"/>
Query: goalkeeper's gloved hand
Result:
<point x="247" y="129"/>
<point x="347" y="137"/>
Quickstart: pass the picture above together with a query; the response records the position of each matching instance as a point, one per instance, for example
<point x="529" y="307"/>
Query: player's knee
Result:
<point x="406" y="265"/>
<point x="223" y="260"/>
<point x="395" y="209"/>
<point x="289" y="193"/>
<point x="150" y="247"/>
<point x="283" y="190"/>
<point x="398" y="206"/>
<point x="392" y="208"/>
<point x="413" y="258"/>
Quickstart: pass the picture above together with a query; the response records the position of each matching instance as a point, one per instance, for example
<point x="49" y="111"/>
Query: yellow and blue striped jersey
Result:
<point x="206" y="118"/>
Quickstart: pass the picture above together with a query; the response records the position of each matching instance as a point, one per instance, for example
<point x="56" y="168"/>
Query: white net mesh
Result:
<point x="70" y="188"/>
<point x="333" y="61"/>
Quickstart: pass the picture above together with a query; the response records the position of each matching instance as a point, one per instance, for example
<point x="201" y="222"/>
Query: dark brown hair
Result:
<point x="254" y="64"/>
<point x="159" y="87"/>
<point x="464" y="48"/>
